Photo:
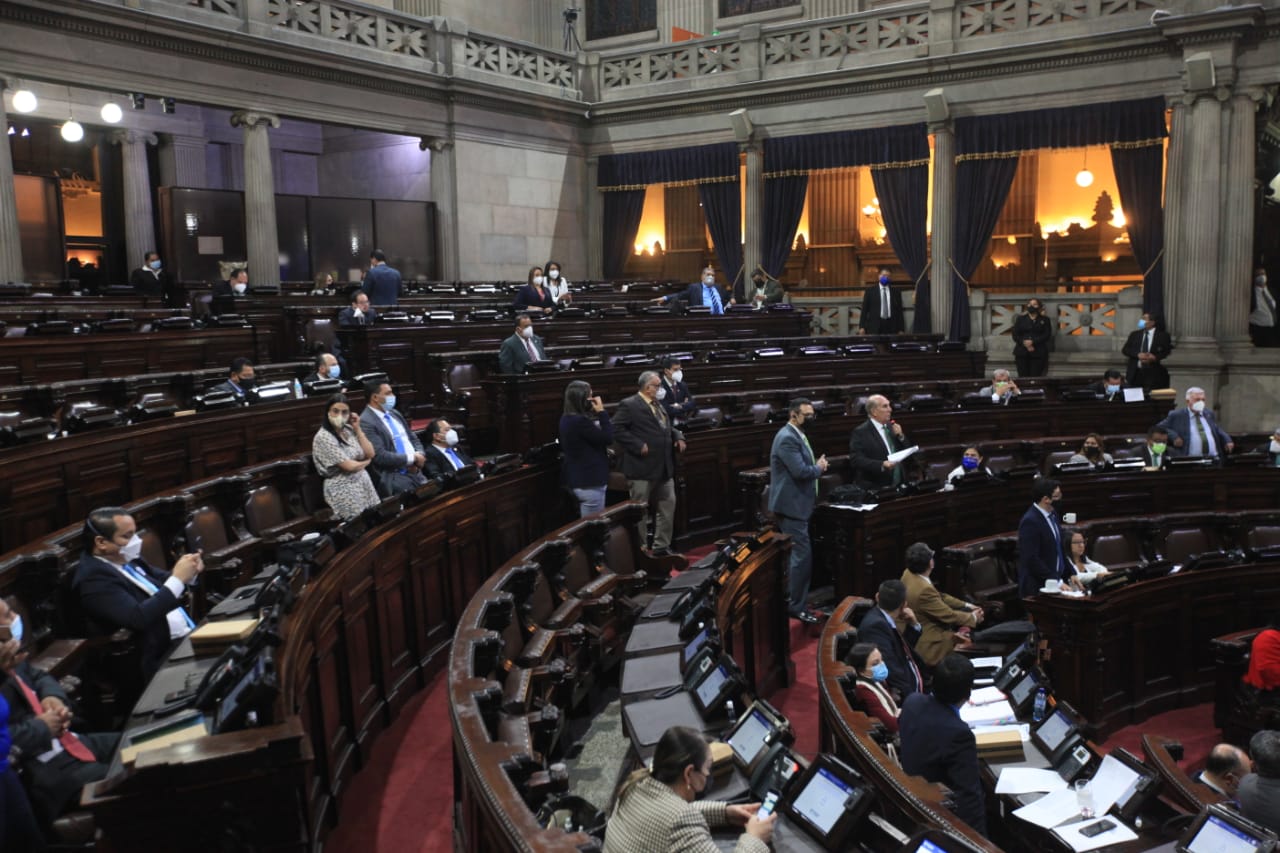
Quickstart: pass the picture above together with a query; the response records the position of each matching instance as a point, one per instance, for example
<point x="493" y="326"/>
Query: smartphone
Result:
<point x="766" y="808"/>
<point x="1097" y="828"/>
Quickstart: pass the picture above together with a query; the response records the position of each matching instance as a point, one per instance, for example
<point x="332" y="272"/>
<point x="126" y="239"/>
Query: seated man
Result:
<point x="1002" y="388"/>
<point x="443" y="456"/>
<point x="938" y="745"/>
<point x="240" y="379"/>
<point x="1111" y="387"/>
<point x="225" y="293"/>
<point x="1223" y="769"/>
<point x="326" y="368"/>
<point x="1259" y="792"/>
<point x="56" y="763"/>
<point x="18" y="827"/>
<point x="970" y="465"/>
<point x="358" y="313"/>
<point x="939" y="614"/>
<point x="1155" y="454"/>
<point x="674" y="394"/>
<point x="117" y="589"/>
<point x="702" y="294"/>
<point x="1272" y="449"/>
<point x="880" y="626"/>
<point x="397" y="450"/>
<point x="521" y="348"/>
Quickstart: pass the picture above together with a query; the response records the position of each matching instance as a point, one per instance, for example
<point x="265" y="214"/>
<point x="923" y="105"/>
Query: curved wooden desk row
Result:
<point x="1238" y="709"/>
<point x="910" y="800"/>
<point x="542" y="633"/>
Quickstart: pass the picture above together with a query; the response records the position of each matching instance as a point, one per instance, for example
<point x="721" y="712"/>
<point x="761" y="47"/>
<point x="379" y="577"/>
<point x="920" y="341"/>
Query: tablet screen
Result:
<point x="709" y="689"/>
<point x="748" y="739"/>
<point x="1218" y="836"/>
<point x="694" y="645"/>
<point x="821" y="802"/>
<point x="1054" y="731"/>
<point x="1022" y="690"/>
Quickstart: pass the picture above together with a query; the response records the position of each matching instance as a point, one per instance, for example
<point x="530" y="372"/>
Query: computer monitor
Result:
<point x="715" y="686"/>
<point x="1219" y="830"/>
<point x="936" y="841"/>
<point x="1022" y="693"/>
<point x="751" y="735"/>
<point x="691" y="648"/>
<point x="830" y="801"/>
<point x="1051" y="734"/>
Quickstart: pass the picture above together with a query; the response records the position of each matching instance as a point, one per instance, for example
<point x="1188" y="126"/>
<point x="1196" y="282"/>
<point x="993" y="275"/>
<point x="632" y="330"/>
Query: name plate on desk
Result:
<point x="181" y="730"/>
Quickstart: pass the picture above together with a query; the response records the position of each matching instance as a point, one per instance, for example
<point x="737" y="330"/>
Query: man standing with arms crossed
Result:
<point x="793" y="492"/>
<point x="648" y="438"/>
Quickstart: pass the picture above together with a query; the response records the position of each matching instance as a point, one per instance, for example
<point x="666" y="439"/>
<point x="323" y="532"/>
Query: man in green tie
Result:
<point x="794" y="470"/>
<point x="871" y="444"/>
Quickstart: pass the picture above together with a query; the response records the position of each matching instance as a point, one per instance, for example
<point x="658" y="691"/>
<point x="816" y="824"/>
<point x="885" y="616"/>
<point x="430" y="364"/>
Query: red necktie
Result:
<point x="911" y="661"/>
<point x="69" y="742"/>
<point x="533" y="353"/>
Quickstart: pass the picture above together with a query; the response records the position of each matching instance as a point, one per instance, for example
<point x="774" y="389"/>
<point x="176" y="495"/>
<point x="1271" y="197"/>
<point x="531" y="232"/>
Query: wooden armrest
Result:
<point x="62" y="656"/>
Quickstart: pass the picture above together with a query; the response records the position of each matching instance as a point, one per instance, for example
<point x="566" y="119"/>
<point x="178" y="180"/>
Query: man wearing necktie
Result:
<point x="794" y="470"/>
<point x="443" y="454"/>
<point x="1041" y="554"/>
<point x="1146" y="347"/>
<point x="397" y="450"/>
<point x="1193" y="430"/>
<point x="704" y="293"/>
<point x="871" y="443"/>
<point x="649" y="442"/>
<point x="881" y="309"/>
<point x="521" y="348"/>
<point x="880" y="625"/>
<point x="56" y="762"/>
<point x="117" y="589"/>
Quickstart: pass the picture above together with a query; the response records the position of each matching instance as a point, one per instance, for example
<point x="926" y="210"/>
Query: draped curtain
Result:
<point x="981" y="189"/>
<point x="783" y="207"/>
<point x="623" y="179"/>
<point x="904" y="203"/>
<point x="1140" y="179"/>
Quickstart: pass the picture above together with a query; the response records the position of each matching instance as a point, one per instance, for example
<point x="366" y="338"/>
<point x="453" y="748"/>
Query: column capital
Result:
<point x="751" y="146"/>
<point x="128" y="136"/>
<point x="250" y="119"/>
<point x="936" y="127"/>
<point x="437" y="144"/>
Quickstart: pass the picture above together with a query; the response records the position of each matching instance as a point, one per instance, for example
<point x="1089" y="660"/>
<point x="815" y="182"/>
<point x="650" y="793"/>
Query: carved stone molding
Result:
<point x="253" y="118"/>
<point x="437" y="144"/>
<point x="128" y="136"/>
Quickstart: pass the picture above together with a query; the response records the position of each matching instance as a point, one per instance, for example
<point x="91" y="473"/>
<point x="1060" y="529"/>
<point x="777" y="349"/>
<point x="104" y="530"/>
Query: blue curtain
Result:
<point x="1066" y="127"/>
<point x="1140" y="179"/>
<point x="904" y="204"/>
<point x="843" y="148"/>
<point x="622" y="212"/>
<point x="722" y="207"/>
<point x="673" y="166"/>
<point x="783" y="207"/>
<point x="982" y="185"/>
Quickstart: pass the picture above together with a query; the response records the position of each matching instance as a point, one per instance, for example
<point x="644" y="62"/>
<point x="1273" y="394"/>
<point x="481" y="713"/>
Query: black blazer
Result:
<point x="438" y="464"/>
<point x="875" y="628"/>
<point x="678" y="395"/>
<point x="936" y="744"/>
<point x="148" y="283"/>
<point x="585" y="443"/>
<point x="634" y="426"/>
<point x="527" y="297"/>
<point x="1154" y="375"/>
<point x="1164" y="457"/>
<point x="30" y="734"/>
<point x="867" y="454"/>
<point x="1038" y="330"/>
<point x="871" y="322"/>
<point x="112" y="601"/>
<point x="347" y="317"/>
<point x="1039" y="555"/>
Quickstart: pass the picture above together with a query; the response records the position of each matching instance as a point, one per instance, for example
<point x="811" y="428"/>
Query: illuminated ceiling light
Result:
<point x="25" y="132"/>
<point x="1084" y="177"/>
<point x="12" y="130"/>
<point x="72" y="131"/>
<point x="24" y="101"/>
<point x="111" y="112"/>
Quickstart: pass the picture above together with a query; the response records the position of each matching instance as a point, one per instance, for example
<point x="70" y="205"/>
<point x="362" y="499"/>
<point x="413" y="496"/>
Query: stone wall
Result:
<point x="359" y="163"/>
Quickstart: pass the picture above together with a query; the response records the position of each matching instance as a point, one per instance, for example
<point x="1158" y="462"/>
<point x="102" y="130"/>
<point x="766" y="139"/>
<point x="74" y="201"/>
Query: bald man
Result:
<point x="1224" y="768"/>
<point x="871" y="443"/>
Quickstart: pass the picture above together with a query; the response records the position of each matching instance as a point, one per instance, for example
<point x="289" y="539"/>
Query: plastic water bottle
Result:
<point x="1042" y="702"/>
<point x="728" y="707"/>
<point x="297" y="390"/>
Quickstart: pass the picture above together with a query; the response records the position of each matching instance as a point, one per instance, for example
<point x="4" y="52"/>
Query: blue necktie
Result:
<point x="1057" y="542"/>
<point x="457" y="460"/>
<point x="716" y="307"/>
<point x="153" y="589"/>
<point x="395" y="434"/>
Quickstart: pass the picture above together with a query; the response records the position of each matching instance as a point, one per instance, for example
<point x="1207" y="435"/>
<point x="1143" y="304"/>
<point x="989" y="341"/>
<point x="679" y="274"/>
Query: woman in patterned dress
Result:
<point x="341" y="453"/>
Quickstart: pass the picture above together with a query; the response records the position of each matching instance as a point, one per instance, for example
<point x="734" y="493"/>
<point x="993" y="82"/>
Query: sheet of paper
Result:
<point x="857" y="507"/>
<point x="903" y="454"/>
<point x="1025" y="780"/>
<point x="1079" y="843"/>
<point x="983" y="682"/>
<point x="1133" y="395"/>
<point x="1112" y="779"/>
<point x="1023" y="729"/>
<point x="1051" y="809"/>
<point x="986" y="696"/>
<point x="985" y="715"/>
<point x="994" y="662"/>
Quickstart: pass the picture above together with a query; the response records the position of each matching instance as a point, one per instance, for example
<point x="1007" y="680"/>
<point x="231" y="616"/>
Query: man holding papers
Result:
<point x="878" y="447"/>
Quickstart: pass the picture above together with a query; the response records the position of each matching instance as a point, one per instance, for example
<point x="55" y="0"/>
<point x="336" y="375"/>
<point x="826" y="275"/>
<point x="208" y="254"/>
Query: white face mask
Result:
<point x="677" y="376"/>
<point x="132" y="549"/>
<point x="662" y="393"/>
<point x="451" y="437"/>
<point x="1197" y="406"/>
<point x="239" y="288"/>
<point x="1261" y="281"/>
<point x="537" y="280"/>
<point x="526" y="332"/>
<point x="708" y="279"/>
<point x="1275" y="446"/>
<point x="555" y="274"/>
<point x="338" y="423"/>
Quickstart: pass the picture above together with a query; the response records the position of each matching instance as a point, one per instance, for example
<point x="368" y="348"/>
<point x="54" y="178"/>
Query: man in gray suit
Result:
<point x="1259" y="792"/>
<point x="521" y="348"/>
<point x="397" y="452"/>
<point x="648" y="437"/>
<point x="793" y="491"/>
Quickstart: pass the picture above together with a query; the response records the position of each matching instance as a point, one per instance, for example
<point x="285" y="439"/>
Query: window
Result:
<point x="729" y="8"/>
<point x="609" y="18"/>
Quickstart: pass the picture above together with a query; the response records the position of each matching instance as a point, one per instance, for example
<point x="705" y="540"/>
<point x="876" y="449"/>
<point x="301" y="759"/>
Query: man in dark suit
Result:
<point x="150" y="278"/>
<point x="240" y="379"/>
<point x="1041" y="557"/>
<point x="56" y="762"/>
<point x="117" y="589"/>
<point x="1194" y="431"/>
<point x="521" y="348"/>
<point x="1146" y="347"/>
<point x="1224" y="767"/>
<point x="397" y="450"/>
<point x="703" y="293"/>
<point x="648" y="439"/>
<point x="871" y="443"/>
<point x="938" y="745"/>
<point x="225" y="293"/>
<point x="18" y="827"/>
<point x="358" y="313"/>
<point x="1111" y="388"/>
<point x="793" y="491"/>
<point x="1155" y="453"/>
<point x="1032" y="336"/>
<point x="880" y="626"/>
<point x="881" y="309"/>
<point x="674" y="394"/>
<point x="443" y="456"/>
<point x="382" y="282"/>
<point x="1259" y="792"/>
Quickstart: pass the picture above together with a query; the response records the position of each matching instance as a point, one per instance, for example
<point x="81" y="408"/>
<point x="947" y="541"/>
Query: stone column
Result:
<point x="1236" y="226"/>
<point x="10" y="236"/>
<point x="444" y="192"/>
<point x="751" y="250"/>
<point x="261" y="236"/>
<point x="1196" y="275"/>
<point x="139" y="225"/>
<point x="944" y="213"/>
<point x="182" y="161"/>
<point x="594" y="206"/>
<point x="1175" y="188"/>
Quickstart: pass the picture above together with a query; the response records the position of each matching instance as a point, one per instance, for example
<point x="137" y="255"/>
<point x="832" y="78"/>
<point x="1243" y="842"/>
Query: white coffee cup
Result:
<point x="1068" y="518"/>
<point x="1053" y="585"/>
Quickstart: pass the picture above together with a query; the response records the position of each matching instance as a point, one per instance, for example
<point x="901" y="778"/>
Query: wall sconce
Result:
<point x="872" y="212"/>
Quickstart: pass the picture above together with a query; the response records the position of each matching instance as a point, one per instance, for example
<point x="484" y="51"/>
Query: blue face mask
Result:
<point x="155" y="265"/>
<point x="15" y="627"/>
<point x="1111" y="389"/>
<point x="1142" y="324"/>
<point x="880" y="672"/>
<point x="884" y="279"/>
<point x="389" y="402"/>
<point x="968" y="463"/>
<point x="335" y="371"/>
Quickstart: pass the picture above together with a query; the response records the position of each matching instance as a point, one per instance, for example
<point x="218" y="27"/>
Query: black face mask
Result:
<point x="1031" y="309"/>
<point x="1057" y="506"/>
<point x="759" y="282"/>
<point x="1093" y="452"/>
<point x="246" y="383"/>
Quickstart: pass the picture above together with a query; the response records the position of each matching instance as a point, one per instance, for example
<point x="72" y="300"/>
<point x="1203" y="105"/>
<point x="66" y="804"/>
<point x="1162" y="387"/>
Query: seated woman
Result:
<point x="534" y="296"/>
<point x="341" y="453"/>
<point x="970" y="463"/>
<point x="1091" y="451"/>
<point x="1264" y="659"/>
<point x="655" y="808"/>
<point x="872" y="671"/>
<point x="1086" y="569"/>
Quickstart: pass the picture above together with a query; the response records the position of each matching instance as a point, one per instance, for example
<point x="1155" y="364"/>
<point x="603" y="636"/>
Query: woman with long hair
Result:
<point x="341" y="453"/>
<point x="872" y="672"/>
<point x="534" y="296"/>
<point x="585" y="435"/>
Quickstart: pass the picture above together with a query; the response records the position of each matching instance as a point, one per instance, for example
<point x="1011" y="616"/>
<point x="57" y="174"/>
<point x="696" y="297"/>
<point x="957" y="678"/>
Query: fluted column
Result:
<point x="1196" y="276"/>
<point x="1236" y="226"/>
<point x="444" y="193"/>
<point x="10" y="235"/>
<point x="944" y="213"/>
<point x="594" y="207"/>
<point x="139" y="226"/>
<point x="183" y="161"/>
<point x="261" y="236"/>
<point x="1175" y="190"/>
<point x="751" y="255"/>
